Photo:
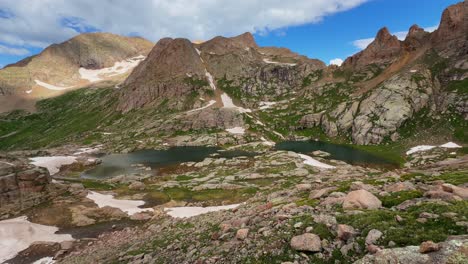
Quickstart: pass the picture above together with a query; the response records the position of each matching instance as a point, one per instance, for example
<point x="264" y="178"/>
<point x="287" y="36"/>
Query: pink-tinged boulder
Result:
<point x="361" y="199"/>
<point x="306" y="242"/>
<point x="458" y="191"/>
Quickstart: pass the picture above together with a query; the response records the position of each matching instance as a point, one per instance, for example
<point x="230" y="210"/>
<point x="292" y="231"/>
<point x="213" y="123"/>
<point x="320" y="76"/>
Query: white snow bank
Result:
<point x="210" y="103"/>
<point x="313" y="162"/>
<point x="450" y="145"/>
<point x="266" y="142"/>
<point x="210" y="80"/>
<point x="429" y="147"/>
<point x="198" y="51"/>
<point x="181" y="212"/>
<point x="129" y="206"/>
<point x="266" y="105"/>
<point x="53" y="163"/>
<point x="29" y="91"/>
<point x="228" y="103"/>
<point x="51" y="87"/>
<point x="276" y="62"/>
<point x="46" y="260"/>
<point x="18" y="234"/>
<point x="236" y="130"/>
<point x="419" y="148"/>
<point x="119" y="67"/>
<point x="278" y="134"/>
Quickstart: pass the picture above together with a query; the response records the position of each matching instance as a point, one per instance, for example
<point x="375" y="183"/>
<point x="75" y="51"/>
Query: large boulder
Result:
<point x="361" y="199"/>
<point x="306" y="242"/>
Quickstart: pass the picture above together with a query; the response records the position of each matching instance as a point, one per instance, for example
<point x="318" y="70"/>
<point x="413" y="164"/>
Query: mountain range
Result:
<point x="376" y="96"/>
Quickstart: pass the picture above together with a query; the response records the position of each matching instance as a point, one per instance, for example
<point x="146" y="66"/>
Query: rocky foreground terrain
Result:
<point x="284" y="211"/>
<point x="404" y="102"/>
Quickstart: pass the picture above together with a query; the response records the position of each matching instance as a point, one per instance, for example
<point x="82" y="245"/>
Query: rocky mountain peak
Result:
<point x="453" y="28"/>
<point x="245" y="40"/>
<point x="384" y="49"/>
<point x="162" y="73"/>
<point x="222" y="45"/>
<point x="416" y="38"/>
<point x="385" y="40"/>
<point x="415" y="30"/>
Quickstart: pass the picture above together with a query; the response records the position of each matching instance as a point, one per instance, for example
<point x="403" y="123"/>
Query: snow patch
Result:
<point x="46" y="260"/>
<point x="210" y="103"/>
<point x="119" y="67"/>
<point x="266" y="142"/>
<point x="266" y="105"/>
<point x="51" y="87"/>
<point x="29" y="91"/>
<point x="315" y="163"/>
<point x="280" y="63"/>
<point x="228" y="103"/>
<point x="53" y="163"/>
<point x="198" y="51"/>
<point x="259" y="123"/>
<point x="18" y="234"/>
<point x="278" y="134"/>
<point x="429" y="147"/>
<point x="129" y="206"/>
<point x="450" y="145"/>
<point x="210" y="80"/>
<point x="187" y="211"/>
<point x="236" y="130"/>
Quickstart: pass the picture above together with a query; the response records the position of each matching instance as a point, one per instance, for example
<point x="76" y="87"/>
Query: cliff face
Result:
<point x="21" y="187"/>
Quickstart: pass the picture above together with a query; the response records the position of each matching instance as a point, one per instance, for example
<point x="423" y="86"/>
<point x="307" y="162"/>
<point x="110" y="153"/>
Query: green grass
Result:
<point x="59" y="120"/>
<point x="384" y="220"/>
<point x="211" y="195"/>
<point x="396" y="198"/>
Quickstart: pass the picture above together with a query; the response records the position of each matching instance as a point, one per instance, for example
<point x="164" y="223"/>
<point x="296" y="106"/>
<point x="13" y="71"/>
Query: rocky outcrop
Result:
<point x="163" y="75"/>
<point x="383" y="50"/>
<point x="21" y="187"/>
<point x="453" y="28"/>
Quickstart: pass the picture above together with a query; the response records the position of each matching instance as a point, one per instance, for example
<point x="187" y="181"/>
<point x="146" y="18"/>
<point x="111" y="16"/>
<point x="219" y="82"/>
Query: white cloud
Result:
<point x="336" y="61"/>
<point x="401" y="35"/>
<point x="40" y="23"/>
<point x="13" y="51"/>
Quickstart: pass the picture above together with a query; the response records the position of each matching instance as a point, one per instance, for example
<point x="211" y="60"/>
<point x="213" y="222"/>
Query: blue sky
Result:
<point x="316" y="28"/>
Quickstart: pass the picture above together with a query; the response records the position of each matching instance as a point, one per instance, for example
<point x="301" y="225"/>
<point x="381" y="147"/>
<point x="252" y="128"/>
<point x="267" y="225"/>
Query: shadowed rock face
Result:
<point x="384" y="49"/>
<point x="416" y="38"/>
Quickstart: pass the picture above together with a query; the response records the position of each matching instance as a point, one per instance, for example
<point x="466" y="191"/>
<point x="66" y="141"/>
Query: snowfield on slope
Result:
<point x="129" y="206"/>
<point x="119" y="67"/>
<point x="228" y="103"/>
<point x="53" y="163"/>
<point x="18" y="234"/>
<point x="50" y="86"/>
<point x="420" y="148"/>
<point x="236" y="130"/>
<point x="315" y="163"/>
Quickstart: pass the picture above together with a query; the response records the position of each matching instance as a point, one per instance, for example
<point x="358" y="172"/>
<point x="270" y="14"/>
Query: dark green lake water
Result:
<point x="118" y="164"/>
<point x="338" y="152"/>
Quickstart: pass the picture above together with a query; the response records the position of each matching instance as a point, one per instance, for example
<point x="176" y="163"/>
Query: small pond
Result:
<point x="118" y="164"/>
<point x="338" y="152"/>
